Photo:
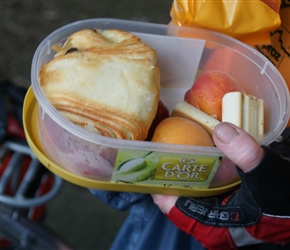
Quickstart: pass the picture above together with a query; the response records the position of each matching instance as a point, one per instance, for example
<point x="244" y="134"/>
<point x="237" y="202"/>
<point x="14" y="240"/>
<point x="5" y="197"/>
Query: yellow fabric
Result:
<point x="247" y="20"/>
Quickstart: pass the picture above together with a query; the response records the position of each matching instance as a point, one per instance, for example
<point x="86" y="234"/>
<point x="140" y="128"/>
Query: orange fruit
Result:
<point x="178" y="130"/>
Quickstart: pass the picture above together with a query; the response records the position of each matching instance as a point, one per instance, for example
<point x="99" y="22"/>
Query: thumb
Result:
<point x="238" y="146"/>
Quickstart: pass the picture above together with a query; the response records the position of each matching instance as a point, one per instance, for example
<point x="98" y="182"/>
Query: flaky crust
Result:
<point x="106" y="81"/>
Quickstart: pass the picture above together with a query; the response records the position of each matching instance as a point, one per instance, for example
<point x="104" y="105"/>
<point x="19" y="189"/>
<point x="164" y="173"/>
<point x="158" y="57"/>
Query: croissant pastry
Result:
<point x="106" y="81"/>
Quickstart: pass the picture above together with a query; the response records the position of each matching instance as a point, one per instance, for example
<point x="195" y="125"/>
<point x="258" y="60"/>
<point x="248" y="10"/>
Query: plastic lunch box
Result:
<point x="94" y="161"/>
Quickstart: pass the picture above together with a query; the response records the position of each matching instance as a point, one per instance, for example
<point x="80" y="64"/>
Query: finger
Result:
<point x="164" y="202"/>
<point x="238" y="146"/>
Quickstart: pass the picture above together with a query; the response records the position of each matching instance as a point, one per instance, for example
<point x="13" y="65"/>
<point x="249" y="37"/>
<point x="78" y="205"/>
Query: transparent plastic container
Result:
<point x="94" y="157"/>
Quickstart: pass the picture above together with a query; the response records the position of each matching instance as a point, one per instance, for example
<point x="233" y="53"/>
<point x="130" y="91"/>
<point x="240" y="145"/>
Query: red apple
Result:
<point x="189" y="99"/>
<point x="208" y="90"/>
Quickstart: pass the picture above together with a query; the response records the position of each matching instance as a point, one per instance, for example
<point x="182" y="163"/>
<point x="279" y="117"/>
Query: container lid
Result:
<point x="30" y="123"/>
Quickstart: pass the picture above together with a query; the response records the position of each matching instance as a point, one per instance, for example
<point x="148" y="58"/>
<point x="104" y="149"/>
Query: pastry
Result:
<point x="106" y="81"/>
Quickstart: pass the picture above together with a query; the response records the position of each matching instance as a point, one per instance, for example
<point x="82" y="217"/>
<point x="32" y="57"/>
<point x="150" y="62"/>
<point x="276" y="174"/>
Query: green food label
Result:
<point x="157" y="168"/>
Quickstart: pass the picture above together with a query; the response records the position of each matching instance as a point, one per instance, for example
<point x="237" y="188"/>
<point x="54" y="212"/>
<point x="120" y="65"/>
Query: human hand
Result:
<point x="259" y="211"/>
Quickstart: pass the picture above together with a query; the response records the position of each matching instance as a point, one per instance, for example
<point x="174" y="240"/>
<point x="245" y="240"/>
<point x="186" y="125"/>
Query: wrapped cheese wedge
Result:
<point x="186" y="110"/>
<point x="245" y="111"/>
<point x="106" y="81"/>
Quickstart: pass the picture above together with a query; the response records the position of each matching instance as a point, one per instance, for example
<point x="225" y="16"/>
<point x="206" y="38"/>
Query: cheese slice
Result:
<point x="245" y="111"/>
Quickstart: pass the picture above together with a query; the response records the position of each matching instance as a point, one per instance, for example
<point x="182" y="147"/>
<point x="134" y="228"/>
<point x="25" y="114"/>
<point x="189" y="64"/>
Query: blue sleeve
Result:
<point x="118" y="200"/>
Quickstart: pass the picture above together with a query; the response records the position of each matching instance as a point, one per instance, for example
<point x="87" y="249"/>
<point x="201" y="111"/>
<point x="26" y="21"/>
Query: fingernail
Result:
<point x="225" y="132"/>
